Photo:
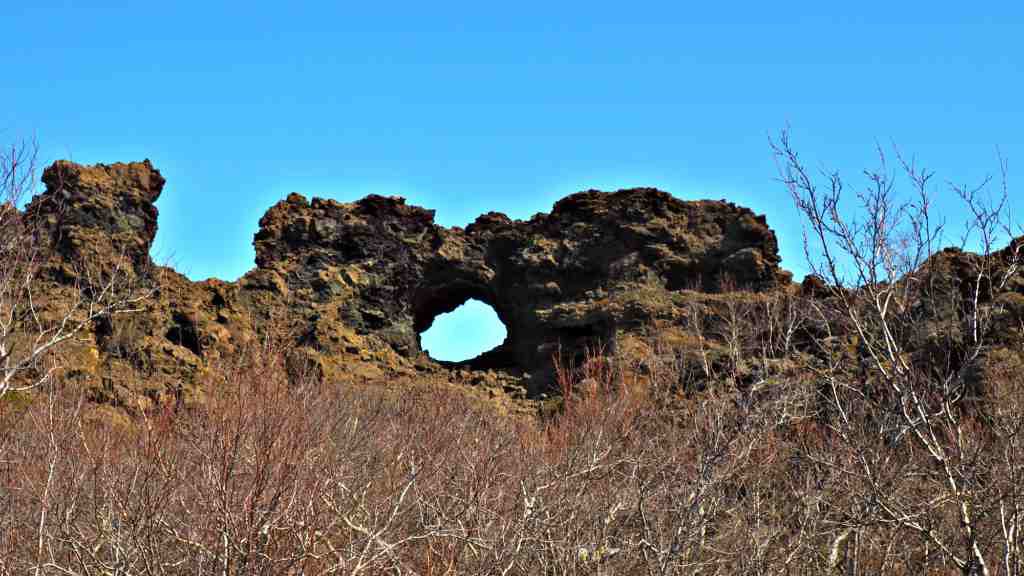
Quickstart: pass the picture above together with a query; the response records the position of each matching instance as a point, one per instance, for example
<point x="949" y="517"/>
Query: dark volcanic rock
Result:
<point x="559" y="282"/>
<point x="354" y="284"/>
<point x="95" y="212"/>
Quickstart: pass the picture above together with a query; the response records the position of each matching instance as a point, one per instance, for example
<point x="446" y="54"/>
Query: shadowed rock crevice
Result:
<point x="183" y="332"/>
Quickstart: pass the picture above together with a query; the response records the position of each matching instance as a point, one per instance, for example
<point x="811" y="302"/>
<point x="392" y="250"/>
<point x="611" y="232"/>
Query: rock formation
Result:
<point x="565" y="280"/>
<point x="354" y="284"/>
<point x="349" y="287"/>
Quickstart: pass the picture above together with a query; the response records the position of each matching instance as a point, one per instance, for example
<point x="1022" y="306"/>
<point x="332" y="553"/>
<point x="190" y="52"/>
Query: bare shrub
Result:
<point x="270" y="475"/>
<point x="910" y="446"/>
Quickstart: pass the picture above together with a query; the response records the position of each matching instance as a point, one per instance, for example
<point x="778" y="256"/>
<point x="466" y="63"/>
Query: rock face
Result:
<point x="354" y="284"/>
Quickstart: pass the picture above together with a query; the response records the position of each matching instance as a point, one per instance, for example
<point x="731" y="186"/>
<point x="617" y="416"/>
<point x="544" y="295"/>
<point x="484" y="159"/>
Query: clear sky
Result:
<point x="476" y="106"/>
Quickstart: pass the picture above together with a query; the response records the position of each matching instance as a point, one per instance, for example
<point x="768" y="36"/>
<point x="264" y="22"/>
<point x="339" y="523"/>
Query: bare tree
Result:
<point x="904" y="398"/>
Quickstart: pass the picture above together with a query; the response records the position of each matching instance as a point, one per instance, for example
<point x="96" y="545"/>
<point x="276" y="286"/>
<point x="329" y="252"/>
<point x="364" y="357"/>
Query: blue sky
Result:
<point x="470" y="107"/>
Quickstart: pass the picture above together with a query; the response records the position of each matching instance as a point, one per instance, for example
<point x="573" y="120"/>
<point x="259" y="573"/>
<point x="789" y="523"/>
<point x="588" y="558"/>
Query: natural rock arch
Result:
<point x="561" y="281"/>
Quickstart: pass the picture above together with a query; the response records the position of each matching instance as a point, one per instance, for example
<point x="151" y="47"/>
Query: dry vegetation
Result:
<point x="277" y="476"/>
<point x="870" y="425"/>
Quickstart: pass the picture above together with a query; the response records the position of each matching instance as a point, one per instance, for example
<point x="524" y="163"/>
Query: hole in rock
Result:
<point x="463" y="334"/>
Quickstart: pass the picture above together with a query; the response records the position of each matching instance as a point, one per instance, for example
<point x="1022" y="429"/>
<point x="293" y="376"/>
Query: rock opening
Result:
<point x="466" y="333"/>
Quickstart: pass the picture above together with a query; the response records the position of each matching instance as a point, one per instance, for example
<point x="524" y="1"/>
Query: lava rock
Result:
<point x="352" y="285"/>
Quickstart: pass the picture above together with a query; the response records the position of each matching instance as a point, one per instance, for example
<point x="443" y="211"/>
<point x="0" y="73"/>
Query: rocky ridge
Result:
<point x="352" y="285"/>
<point x="347" y="288"/>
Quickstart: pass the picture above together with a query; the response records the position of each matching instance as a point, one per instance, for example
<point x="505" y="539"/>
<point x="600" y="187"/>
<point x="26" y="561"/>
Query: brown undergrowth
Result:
<point x="275" y="474"/>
